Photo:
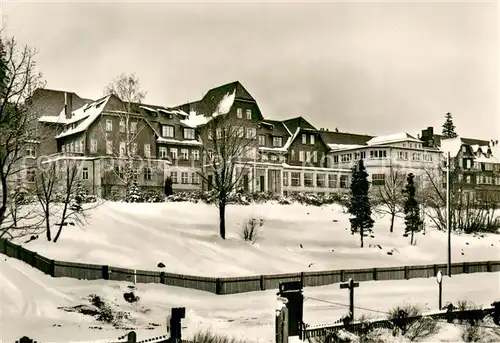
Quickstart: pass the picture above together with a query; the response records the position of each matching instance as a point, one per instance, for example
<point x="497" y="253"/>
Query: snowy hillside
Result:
<point x="293" y="238"/>
<point x="31" y="302"/>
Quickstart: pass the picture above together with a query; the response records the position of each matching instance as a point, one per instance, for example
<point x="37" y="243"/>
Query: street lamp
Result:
<point x="439" y="279"/>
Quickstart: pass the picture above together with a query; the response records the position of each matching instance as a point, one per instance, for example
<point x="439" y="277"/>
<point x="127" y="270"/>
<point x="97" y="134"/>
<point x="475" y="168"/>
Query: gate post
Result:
<point x="281" y="327"/>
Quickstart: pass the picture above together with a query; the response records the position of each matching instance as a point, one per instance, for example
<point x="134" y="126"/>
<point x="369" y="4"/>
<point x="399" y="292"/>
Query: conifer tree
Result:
<point x="449" y="127"/>
<point x="413" y="221"/>
<point x="359" y="204"/>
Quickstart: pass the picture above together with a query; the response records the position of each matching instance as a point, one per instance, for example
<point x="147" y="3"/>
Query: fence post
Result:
<point x="302" y="278"/>
<point x="489" y="266"/>
<point x="105" y="272"/>
<point x="262" y="282"/>
<point x="52" y="268"/>
<point x="218" y="286"/>
<point x="407" y="272"/>
<point x="162" y="278"/>
<point x="374" y="274"/>
<point x="33" y="259"/>
<point x="342" y="276"/>
<point x="465" y="269"/>
<point x="175" y="324"/>
<point x="435" y="269"/>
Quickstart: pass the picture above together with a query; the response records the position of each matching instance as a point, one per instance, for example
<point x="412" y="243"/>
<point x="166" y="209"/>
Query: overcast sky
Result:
<point x="371" y="67"/>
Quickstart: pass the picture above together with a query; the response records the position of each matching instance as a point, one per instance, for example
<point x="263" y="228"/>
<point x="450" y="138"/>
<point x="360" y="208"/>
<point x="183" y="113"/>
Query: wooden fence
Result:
<point x="232" y="285"/>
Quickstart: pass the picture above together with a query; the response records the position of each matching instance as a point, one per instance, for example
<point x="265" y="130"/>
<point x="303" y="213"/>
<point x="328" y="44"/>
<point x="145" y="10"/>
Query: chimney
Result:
<point x="430" y="131"/>
<point x="68" y="104"/>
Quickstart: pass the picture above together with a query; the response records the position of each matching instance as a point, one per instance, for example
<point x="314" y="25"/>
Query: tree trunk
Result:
<point x="47" y="223"/>
<point x="392" y="222"/>
<point x="411" y="238"/>
<point x="361" y="232"/>
<point x="222" y="218"/>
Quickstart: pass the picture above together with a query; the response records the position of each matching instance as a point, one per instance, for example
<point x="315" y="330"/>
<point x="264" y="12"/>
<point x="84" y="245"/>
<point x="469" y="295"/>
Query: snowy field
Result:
<point x="293" y="238"/>
<point x="29" y="301"/>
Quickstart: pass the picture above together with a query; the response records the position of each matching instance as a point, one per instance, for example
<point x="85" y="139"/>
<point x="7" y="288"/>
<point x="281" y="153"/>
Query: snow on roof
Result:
<point x="263" y="148"/>
<point x="291" y="139"/>
<point x="484" y="159"/>
<point x="178" y="141"/>
<point x="451" y="145"/>
<point x="89" y="112"/>
<point x="396" y="137"/>
<point x="344" y="146"/>
<point x="225" y="104"/>
<point x="148" y="108"/>
<point x="194" y="120"/>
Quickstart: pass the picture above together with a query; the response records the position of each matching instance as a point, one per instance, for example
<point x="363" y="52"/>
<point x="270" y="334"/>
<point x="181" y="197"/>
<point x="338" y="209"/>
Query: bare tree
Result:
<point x="388" y="197"/>
<point x="46" y="179"/>
<point x="127" y="88"/>
<point x="229" y="149"/>
<point x="18" y="81"/>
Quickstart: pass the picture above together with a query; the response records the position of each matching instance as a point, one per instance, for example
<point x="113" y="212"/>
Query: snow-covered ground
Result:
<point x="294" y="238"/>
<point x="29" y="302"/>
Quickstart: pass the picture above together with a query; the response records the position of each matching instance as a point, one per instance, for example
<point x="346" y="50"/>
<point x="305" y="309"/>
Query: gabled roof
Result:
<point x="344" y="138"/>
<point x="294" y="123"/>
<point x="49" y="104"/>
<point x="397" y="137"/>
<point x="279" y="128"/>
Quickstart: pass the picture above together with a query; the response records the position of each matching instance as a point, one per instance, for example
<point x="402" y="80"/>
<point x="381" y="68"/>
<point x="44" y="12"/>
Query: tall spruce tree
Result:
<point x="359" y="204"/>
<point x="413" y="221"/>
<point x="449" y="127"/>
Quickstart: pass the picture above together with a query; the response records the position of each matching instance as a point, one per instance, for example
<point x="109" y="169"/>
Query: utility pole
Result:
<point x="448" y="214"/>
<point x="350" y="285"/>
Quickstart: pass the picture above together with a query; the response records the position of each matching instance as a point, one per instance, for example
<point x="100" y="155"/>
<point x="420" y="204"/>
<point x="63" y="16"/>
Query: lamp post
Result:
<point x="439" y="279"/>
<point x="448" y="214"/>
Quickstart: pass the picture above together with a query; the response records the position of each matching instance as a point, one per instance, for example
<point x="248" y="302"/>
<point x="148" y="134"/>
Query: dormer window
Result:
<point x="188" y="133"/>
<point x="249" y="114"/>
<point x="304" y="138"/>
<point x="311" y="139"/>
<point x="277" y="141"/>
<point x="167" y="131"/>
<point x="239" y="113"/>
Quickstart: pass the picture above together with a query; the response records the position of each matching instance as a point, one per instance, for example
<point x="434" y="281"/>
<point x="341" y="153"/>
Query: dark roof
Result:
<point x="471" y="141"/>
<point x="344" y="138"/>
<point x="50" y="102"/>
<point x="293" y="123"/>
<point x="279" y="127"/>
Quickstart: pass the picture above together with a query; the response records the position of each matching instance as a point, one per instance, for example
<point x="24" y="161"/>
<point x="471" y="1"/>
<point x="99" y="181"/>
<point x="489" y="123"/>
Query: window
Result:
<point x="239" y="113"/>
<point x="264" y="157"/>
<point x="308" y="179"/>
<point x="30" y="175"/>
<point x="249" y="114"/>
<point x="188" y="133"/>
<point x="277" y="141"/>
<point x="468" y="163"/>
<point x="196" y="155"/>
<point x="403" y="155"/>
<point x="147" y="173"/>
<point x="184" y="154"/>
<point x="133" y="149"/>
<point x="336" y="159"/>
<point x="378" y="179"/>
<point x="464" y="149"/>
<point x="262" y="140"/>
<point x="133" y="127"/>
<point x="359" y="155"/>
<point x="63" y="148"/>
<point x="250" y="153"/>
<point x="147" y="150"/>
<point x="308" y="156"/>
<point x="30" y="152"/>
<point x="304" y="138"/>
<point x="346" y="157"/>
<point x="173" y="153"/>
<point x="195" y="178"/>
<point x="295" y="178"/>
<point x="315" y="156"/>
<point x="85" y="173"/>
<point x="251" y="132"/>
<point x="72" y="147"/>
<point x="122" y="125"/>
<point x="285" y="179"/>
<point x="109" y="147"/>
<point x="82" y="146"/>
<point x="122" y="149"/>
<point x="167" y="131"/>
<point x="77" y="146"/>
<point x="93" y="146"/>
<point x="163" y="152"/>
<point x="184" y="177"/>
<point x="109" y="125"/>
<point x="173" y="176"/>
<point x="241" y="132"/>
<point x="301" y="156"/>
<point x="274" y="157"/>
<point x="378" y="153"/>
<point x="344" y="181"/>
<point x="468" y="179"/>
<point x="311" y="139"/>
<point x="320" y="180"/>
<point x="210" y="154"/>
<point x="332" y="181"/>
<point x="292" y="156"/>
<point x="416" y="156"/>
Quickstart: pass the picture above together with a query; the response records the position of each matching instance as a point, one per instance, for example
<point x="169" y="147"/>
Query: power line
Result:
<point x="344" y="305"/>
